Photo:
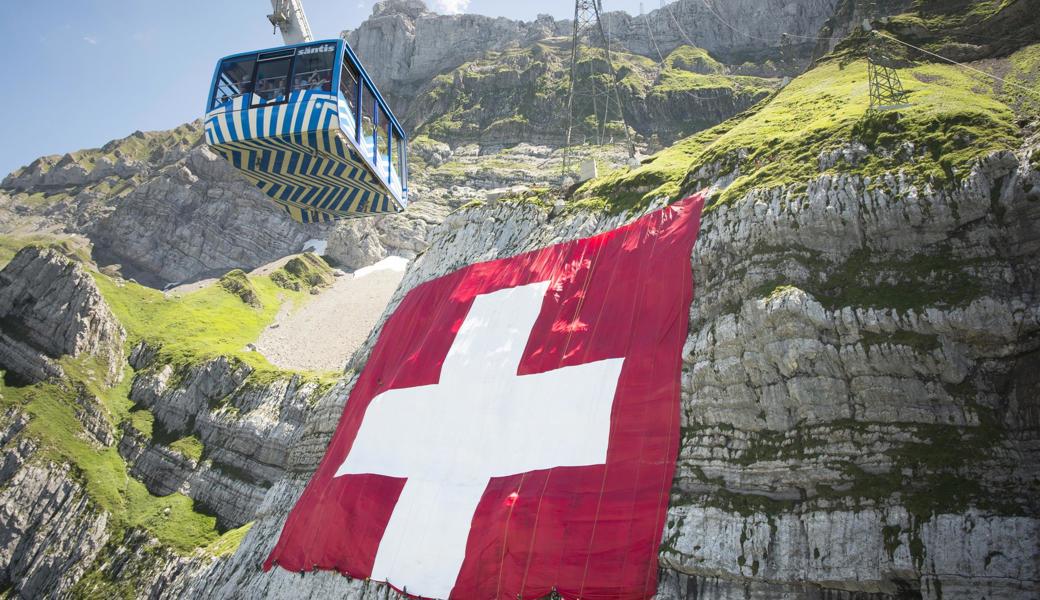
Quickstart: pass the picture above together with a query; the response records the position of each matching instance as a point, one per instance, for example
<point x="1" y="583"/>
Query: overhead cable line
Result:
<point x="719" y="17"/>
<point x="587" y="23"/>
<point x="650" y="32"/>
<point x="959" y="64"/>
<point x="615" y="84"/>
<point x="715" y="13"/>
<point x="668" y="7"/>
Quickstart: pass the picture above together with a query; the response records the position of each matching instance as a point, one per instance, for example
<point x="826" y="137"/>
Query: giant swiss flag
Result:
<point x="516" y="428"/>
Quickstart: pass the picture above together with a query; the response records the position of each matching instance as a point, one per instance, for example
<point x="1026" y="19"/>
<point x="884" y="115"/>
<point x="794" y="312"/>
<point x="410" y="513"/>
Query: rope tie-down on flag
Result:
<point x="515" y="430"/>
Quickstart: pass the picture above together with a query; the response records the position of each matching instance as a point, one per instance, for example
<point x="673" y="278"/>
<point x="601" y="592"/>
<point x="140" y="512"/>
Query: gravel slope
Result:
<point x="321" y="335"/>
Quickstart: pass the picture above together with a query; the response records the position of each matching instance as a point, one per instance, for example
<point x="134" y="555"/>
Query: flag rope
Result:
<point x="603" y="481"/>
<point x="631" y="524"/>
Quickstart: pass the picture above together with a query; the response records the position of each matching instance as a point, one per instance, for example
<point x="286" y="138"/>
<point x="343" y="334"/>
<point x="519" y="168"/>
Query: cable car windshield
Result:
<point x="234" y="79"/>
<point x="272" y="78"/>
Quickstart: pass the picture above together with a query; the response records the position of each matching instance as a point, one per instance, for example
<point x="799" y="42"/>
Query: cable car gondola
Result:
<point x="307" y="126"/>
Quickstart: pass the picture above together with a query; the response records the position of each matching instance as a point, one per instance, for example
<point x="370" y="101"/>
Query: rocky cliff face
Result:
<point x="473" y="79"/>
<point x="522" y="94"/>
<point x="835" y="442"/>
<point x="158" y="207"/>
<point x="195" y="218"/>
<point x="404" y="44"/>
<point x="49" y="308"/>
<point x="244" y="429"/>
<point x="53" y="528"/>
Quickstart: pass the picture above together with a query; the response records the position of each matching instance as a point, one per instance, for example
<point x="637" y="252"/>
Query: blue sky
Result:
<point x="81" y="72"/>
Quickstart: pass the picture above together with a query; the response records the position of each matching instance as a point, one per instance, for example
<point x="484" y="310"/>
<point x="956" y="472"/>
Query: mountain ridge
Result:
<point x="859" y="414"/>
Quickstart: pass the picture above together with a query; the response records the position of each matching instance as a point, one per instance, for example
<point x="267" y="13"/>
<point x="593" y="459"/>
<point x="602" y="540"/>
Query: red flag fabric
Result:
<point x="516" y="427"/>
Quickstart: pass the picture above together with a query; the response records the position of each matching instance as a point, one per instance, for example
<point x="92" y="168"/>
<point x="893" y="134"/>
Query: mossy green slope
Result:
<point x="188" y="330"/>
<point x="955" y="118"/>
<point x="202" y="324"/>
<point x="237" y="282"/>
<point x="173" y="519"/>
<point x="521" y="93"/>
<point x="304" y="272"/>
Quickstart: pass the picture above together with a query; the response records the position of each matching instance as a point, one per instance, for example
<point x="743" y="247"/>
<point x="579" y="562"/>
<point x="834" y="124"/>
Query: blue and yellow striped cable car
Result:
<point x="307" y="126"/>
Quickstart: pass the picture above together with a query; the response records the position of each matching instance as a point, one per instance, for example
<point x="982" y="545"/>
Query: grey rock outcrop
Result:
<point x="137" y="565"/>
<point x="53" y="531"/>
<point x="93" y="416"/>
<point x="245" y="428"/>
<point x="160" y="205"/>
<point x="404" y="45"/>
<point x="736" y="31"/>
<point x="195" y="218"/>
<point x="362" y="242"/>
<point x="50" y="307"/>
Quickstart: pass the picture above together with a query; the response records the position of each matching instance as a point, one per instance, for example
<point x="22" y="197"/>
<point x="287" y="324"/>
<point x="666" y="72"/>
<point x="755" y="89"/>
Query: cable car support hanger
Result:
<point x="288" y="18"/>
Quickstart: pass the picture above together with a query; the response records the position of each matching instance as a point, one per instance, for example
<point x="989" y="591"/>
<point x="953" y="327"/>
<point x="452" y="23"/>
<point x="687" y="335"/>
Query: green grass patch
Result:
<point x="144" y="421"/>
<point x="210" y="322"/>
<point x="199" y="325"/>
<point x="661" y="175"/>
<point x="689" y="69"/>
<point x="954" y="120"/>
<point x="676" y="81"/>
<point x="1025" y="72"/>
<point x="226" y="544"/>
<point x="190" y="447"/>
<point x="89" y="372"/>
<point x="302" y="272"/>
<point x="944" y="15"/>
<point x="173" y="519"/>
<point x="10" y="245"/>
<point x="693" y="59"/>
<point x="237" y="282"/>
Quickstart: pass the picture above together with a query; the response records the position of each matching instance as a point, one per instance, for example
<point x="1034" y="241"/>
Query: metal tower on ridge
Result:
<point x="886" y="89"/>
<point x="589" y="31"/>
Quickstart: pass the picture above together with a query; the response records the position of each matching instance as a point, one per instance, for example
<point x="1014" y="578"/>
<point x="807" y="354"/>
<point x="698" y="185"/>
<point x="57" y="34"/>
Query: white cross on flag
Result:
<point x="516" y="427"/>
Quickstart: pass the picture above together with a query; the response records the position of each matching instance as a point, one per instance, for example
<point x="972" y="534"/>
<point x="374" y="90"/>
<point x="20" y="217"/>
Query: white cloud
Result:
<point x="451" y="7"/>
<point x="90" y="40"/>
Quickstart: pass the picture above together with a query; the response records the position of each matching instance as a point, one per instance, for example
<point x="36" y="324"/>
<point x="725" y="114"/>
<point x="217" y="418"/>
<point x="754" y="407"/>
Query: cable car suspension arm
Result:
<point x="287" y="17"/>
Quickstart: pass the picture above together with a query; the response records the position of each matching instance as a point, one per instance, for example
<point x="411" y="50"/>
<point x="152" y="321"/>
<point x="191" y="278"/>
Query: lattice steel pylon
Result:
<point x="588" y="30"/>
<point x="886" y="89"/>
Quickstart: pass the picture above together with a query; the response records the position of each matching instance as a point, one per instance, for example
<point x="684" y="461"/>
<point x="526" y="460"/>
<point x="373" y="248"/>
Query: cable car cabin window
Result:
<point x="272" y="81"/>
<point x="368" y="108"/>
<point x="402" y="160"/>
<point x="395" y="156"/>
<point x="348" y="82"/>
<point x="313" y="68"/>
<point x="234" y="79"/>
<point x="383" y="142"/>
